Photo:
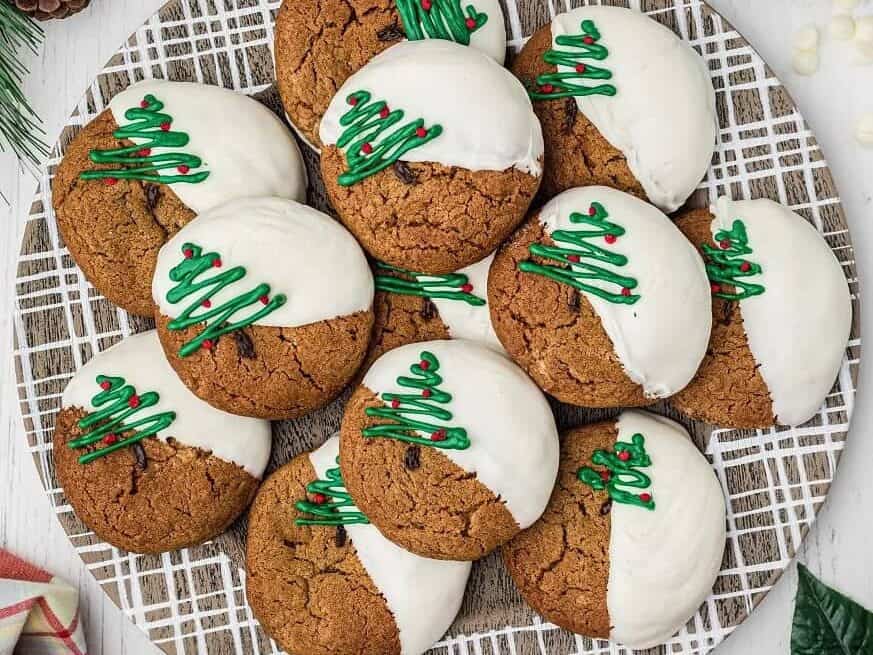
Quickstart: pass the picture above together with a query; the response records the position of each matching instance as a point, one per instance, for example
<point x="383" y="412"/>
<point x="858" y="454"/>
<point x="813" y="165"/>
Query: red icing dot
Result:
<point x="645" y="497"/>
<point x="624" y="455"/>
<point x="145" y="152"/>
<point x="110" y="181"/>
<point x="144" y="104"/>
<point x="366" y="148"/>
<point x="467" y="288"/>
<point x="547" y="88"/>
<point x="424" y="365"/>
<point x="207" y="344"/>
<point x="471" y="24"/>
<point x="110" y="439"/>
<point x="265" y="299"/>
<point x="384" y="113"/>
<point x="183" y="169"/>
<point x="439" y="435"/>
<point x="724" y="244"/>
<point x="588" y="40"/>
<point x="421" y="132"/>
<point x="216" y="263"/>
<point x="319" y="499"/>
<point x="745" y="267"/>
<point x="165" y="127"/>
<point x="592" y="211"/>
<point x="106" y="385"/>
<point x="188" y="253"/>
<point x="352" y="100"/>
<point x="573" y="258"/>
<point x="133" y="401"/>
<point x="581" y="68"/>
<point x="426" y="4"/>
<point x="625" y="292"/>
<point x="207" y="303"/>
<point x="605" y="475"/>
<point x="610" y="238"/>
<point x="426" y="393"/>
<point x="716" y="288"/>
<point x="395" y="403"/>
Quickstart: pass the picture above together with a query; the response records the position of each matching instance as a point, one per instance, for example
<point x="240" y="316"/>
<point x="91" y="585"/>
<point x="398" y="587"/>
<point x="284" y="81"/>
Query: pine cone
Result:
<point x="48" y="9"/>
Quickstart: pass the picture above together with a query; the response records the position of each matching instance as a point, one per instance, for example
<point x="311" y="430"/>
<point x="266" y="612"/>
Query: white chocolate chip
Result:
<point x="842" y="27"/>
<point x="806" y="39"/>
<point x="864" y="29"/>
<point x="805" y="63"/>
<point x="846" y="5"/>
<point x="864" y="132"/>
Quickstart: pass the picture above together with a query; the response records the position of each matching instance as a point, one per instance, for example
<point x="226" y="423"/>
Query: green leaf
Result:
<point x="826" y="622"/>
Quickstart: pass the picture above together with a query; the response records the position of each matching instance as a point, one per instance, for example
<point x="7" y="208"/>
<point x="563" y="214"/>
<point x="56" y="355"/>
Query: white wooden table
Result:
<point x="839" y="545"/>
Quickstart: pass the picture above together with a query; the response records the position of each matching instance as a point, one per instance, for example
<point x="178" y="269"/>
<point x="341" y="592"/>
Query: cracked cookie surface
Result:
<point x="728" y="389"/>
<point x="183" y="497"/>
<point x="553" y="332"/>
<point x="425" y="503"/>
<point x="576" y="154"/>
<point x="561" y="563"/>
<point x="448" y="218"/>
<point x="280" y="373"/>
<point x="114" y="232"/>
<point x="311" y="594"/>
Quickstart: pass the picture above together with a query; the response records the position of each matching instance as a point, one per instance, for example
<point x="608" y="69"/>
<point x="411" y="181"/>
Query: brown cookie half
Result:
<point x="160" y="497"/>
<point x="552" y="331"/>
<point x="576" y="154"/>
<point x="728" y="389"/>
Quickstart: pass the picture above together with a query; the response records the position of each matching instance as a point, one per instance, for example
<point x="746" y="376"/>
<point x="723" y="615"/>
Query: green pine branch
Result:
<point x="20" y="127"/>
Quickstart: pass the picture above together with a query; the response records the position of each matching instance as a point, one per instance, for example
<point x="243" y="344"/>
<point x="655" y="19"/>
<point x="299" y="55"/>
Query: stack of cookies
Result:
<point x="500" y="237"/>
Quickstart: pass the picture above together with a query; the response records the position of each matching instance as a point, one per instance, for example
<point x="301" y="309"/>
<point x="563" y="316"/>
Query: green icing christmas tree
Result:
<point x="728" y="264"/>
<point x="371" y="144"/>
<point x="454" y="286"/>
<point x="190" y="276"/>
<point x="329" y="503"/>
<point x="622" y="478"/>
<point x="578" y="258"/>
<point x="122" y="421"/>
<point x="148" y="123"/>
<point x="572" y="83"/>
<point x="404" y="410"/>
<point x="439" y="19"/>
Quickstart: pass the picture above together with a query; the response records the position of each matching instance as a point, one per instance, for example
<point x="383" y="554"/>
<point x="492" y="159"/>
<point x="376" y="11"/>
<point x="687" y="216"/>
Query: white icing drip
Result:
<point x="465" y="321"/>
<point x="798" y="328"/>
<point x="663" y="117"/>
<point x="140" y="360"/>
<point x="662" y="338"/>
<point x="436" y="80"/>
<point x="663" y="563"/>
<point x="295" y="249"/>
<point x="424" y="595"/>
<point x="513" y="439"/>
<point x="244" y="146"/>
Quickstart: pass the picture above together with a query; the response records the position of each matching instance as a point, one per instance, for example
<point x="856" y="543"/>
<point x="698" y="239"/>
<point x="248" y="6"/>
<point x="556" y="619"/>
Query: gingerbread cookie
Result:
<point x="623" y="103"/>
<point x="431" y="155"/>
<point x="323" y="581"/>
<point x="448" y="448"/>
<point x="144" y="463"/>
<point x="633" y="536"/>
<point x="601" y="299"/>
<point x="264" y="307"/>
<point x="161" y="153"/>
<point x="782" y="314"/>
<point x="320" y="44"/>
<point x="412" y="307"/>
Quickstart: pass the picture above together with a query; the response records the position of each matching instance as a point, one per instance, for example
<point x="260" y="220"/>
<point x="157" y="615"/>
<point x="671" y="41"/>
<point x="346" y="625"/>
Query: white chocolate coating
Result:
<point x="491" y="37"/>
<point x="798" y="328"/>
<point x="244" y="146"/>
<point x="296" y="249"/>
<point x="424" y="595"/>
<point x="662" y="338"/>
<point x="466" y="321"/>
<point x="140" y="360"/>
<point x="663" y="563"/>
<point x="663" y="117"/>
<point x="487" y="118"/>
<point x="513" y="439"/>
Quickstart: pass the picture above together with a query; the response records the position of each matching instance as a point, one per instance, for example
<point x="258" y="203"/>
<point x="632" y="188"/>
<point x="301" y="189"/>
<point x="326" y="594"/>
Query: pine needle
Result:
<point x="20" y="127"/>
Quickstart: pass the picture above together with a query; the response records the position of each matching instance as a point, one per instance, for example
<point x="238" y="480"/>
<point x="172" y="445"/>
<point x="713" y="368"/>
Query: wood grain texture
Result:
<point x="56" y="329"/>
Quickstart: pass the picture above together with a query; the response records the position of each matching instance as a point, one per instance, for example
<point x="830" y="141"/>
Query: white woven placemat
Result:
<point x="193" y="600"/>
